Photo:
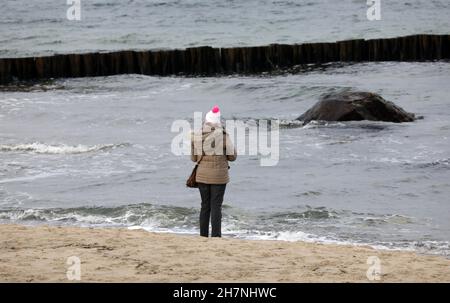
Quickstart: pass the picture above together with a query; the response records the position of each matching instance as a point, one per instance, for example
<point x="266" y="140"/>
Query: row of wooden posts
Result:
<point x="209" y="61"/>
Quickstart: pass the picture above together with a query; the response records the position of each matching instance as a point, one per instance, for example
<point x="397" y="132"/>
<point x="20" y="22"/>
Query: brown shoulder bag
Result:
<point x="191" y="182"/>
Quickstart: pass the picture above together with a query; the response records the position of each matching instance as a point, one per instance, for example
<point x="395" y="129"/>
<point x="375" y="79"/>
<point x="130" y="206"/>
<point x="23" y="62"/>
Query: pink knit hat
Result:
<point x="213" y="116"/>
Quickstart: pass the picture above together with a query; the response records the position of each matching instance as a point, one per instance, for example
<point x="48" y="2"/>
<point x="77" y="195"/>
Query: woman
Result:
<point x="212" y="149"/>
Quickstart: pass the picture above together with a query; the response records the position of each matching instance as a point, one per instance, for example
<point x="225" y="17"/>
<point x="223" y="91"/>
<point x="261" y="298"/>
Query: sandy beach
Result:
<point x="39" y="254"/>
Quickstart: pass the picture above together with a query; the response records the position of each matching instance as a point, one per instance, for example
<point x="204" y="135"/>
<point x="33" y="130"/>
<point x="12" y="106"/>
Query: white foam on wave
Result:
<point x="159" y="224"/>
<point x="29" y="178"/>
<point x="42" y="148"/>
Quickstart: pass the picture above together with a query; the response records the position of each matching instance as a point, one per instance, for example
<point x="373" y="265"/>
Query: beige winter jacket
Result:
<point x="217" y="149"/>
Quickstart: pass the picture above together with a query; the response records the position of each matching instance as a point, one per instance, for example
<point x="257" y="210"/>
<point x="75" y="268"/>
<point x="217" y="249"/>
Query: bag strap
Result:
<point x="198" y="162"/>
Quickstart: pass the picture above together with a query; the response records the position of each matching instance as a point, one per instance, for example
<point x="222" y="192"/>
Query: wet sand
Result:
<point x="39" y="254"/>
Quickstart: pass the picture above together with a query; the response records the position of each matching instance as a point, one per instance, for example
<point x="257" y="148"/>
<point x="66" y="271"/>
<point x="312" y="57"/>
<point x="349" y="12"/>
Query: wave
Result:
<point x="310" y="224"/>
<point x="441" y="163"/>
<point x="370" y="126"/>
<point x="290" y="124"/>
<point x="173" y="216"/>
<point x="42" y="148"/>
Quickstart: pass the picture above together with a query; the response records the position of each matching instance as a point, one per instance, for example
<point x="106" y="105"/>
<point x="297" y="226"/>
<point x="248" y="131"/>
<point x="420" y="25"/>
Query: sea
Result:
<point x="97" y="151"/>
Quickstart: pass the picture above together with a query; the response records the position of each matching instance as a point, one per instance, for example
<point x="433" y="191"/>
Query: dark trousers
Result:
<point x="212" y="198"/>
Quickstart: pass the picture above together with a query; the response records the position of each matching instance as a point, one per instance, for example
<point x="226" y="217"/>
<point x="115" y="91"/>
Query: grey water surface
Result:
<point x="97" y="151"/>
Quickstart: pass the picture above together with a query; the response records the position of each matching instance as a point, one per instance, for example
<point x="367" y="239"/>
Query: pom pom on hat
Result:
<point x="213" y="116"/>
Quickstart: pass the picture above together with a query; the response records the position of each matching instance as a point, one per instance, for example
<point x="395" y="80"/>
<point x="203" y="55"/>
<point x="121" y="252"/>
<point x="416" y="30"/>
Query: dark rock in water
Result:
<point x="355" y="106"/>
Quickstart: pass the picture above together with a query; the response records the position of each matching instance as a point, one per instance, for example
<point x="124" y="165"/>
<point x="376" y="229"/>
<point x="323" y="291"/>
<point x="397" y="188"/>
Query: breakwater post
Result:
<point x="209" y="61"/>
